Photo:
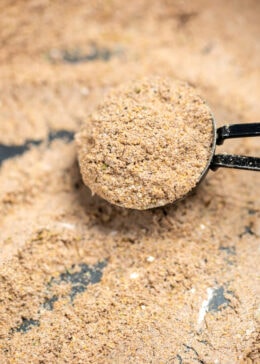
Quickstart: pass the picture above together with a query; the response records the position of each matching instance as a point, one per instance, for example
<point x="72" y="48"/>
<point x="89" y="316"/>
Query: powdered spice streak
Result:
<point x="147" y="144"/>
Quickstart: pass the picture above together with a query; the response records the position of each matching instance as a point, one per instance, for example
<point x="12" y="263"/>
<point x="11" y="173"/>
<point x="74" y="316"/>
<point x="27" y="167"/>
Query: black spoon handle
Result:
<point x="237" y="131"/>
<point x="235" y="161"/>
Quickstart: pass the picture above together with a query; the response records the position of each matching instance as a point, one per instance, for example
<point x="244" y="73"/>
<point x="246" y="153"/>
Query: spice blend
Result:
<point x="83" y="280"/>
<point x="147" y="144"/>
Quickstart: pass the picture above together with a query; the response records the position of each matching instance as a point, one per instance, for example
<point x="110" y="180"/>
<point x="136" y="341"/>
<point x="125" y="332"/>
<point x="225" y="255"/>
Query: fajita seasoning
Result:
<point x="147" y="144"/>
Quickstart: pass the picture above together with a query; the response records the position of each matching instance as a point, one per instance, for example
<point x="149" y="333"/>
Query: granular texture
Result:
<point x="147" y="144"/>
<point x="83" y="281"/>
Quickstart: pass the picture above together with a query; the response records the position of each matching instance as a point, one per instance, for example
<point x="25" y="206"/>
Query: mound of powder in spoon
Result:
<point x="147" y="144"/>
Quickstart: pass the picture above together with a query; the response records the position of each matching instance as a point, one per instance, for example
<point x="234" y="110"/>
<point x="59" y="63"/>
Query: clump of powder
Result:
<point x="147" y="144"/>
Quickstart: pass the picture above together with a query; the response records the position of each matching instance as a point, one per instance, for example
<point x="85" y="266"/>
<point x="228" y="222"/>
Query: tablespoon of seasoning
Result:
<point x="151" y="142"/>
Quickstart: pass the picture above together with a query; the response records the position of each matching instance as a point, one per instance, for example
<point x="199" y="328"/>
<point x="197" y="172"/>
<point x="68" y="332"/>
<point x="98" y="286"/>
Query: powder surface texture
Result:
<point x="147" y="144"/>
<point x="83" y="281"/>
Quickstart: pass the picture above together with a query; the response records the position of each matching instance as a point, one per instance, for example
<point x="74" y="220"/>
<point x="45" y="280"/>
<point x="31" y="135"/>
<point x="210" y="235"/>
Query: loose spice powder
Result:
<point x="147" y="144"/>
<point x="85" y="281"/>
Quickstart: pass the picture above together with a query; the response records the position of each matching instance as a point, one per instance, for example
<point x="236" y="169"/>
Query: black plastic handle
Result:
<point x="237" y="131"/>
<point x="236" y="161"/>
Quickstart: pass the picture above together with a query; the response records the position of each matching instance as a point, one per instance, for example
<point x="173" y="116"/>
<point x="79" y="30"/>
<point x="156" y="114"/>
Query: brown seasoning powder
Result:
<point x="147" y="144"/>
<point x="180" y="281"/>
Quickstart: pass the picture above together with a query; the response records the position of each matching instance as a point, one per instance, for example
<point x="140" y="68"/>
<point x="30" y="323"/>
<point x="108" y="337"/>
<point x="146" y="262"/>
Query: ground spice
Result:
<point x="147" y="144"/>
<point x="85" y="281"/>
